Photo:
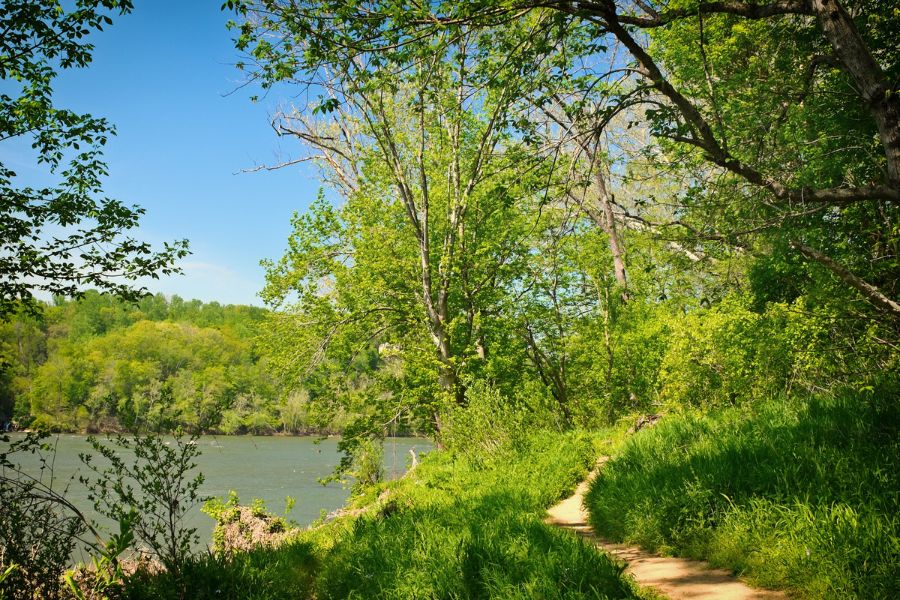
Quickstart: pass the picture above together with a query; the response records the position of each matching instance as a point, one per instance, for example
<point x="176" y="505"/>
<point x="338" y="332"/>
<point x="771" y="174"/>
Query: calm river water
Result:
<point x="271" y="468"/>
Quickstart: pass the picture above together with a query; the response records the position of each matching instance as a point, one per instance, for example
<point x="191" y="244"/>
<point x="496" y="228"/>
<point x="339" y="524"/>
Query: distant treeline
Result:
<point x="100" y="364"/>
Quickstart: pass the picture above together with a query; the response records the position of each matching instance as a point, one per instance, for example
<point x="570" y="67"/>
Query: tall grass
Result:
<point x="462" y="529"/>
<point x="452" y="528"/>
<point x="803" y="495"/>
<point x="284" y="573"/>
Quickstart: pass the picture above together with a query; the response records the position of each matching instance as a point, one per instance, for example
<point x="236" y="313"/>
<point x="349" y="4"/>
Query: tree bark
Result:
<point x="608" y="225"/>
<point x="869" y="291"/>
<point x="872" y="85"/>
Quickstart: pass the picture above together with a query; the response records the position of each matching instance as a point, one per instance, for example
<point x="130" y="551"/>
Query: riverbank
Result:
<point x="271" y="468"/>
<point x="453" y="527"/>
<point x="793" y="488"/>
<point x="115" y="429"/>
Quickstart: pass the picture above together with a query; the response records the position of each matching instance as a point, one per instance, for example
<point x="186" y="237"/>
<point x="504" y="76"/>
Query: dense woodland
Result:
<point x="537" y="222"/>
<point x="590" y="213"/>
<point x="103" y="364"/>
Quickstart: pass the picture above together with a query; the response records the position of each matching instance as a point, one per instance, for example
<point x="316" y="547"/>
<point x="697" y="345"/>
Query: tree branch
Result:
<point x="869" y="291"/>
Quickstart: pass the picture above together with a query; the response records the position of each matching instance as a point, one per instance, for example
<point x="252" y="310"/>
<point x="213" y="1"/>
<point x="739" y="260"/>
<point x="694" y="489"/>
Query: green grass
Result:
<point x="280" y="574"/>
<point x="453" y="528"/>
<point x="803" y="495"/>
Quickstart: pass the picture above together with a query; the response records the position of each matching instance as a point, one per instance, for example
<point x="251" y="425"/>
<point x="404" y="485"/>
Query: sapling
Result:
<point x="151" y="476"/>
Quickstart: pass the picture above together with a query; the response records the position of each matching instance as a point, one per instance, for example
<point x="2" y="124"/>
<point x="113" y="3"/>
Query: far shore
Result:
<point x="300" y="434"/>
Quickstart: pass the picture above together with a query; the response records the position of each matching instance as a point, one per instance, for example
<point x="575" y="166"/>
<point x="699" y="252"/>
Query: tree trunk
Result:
<point x="608" y="225"/>
<point x="875" y="90"/>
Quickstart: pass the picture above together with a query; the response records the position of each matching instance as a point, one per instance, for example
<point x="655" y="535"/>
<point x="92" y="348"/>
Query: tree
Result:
<point x="688" y="159"/>
<point x="786" y="115"/>
<point x="433" y="186"/>
<point x="61" y="237"/>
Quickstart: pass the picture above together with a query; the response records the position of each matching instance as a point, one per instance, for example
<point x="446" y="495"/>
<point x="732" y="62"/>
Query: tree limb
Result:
<point x="869" y="291"/>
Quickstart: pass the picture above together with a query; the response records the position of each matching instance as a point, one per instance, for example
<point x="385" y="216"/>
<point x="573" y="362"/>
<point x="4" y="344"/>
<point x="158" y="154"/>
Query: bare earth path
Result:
<point x="675" y="578"/>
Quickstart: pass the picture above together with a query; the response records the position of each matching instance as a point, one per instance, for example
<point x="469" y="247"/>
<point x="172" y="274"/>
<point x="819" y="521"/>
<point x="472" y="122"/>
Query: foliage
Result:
<point x="62" y="237"/>
<point x="262" y="574"/>
<point x="241" y="529"/>
<point x="146" y="482"/>
<point x="101" y="364"/>
<point x="400" y="292"/>
<point x="368" y="463"/>
<point x="729" y="354"/>
<point x="104" y="578"/>
<point x="456" y="529"/>
<point x="523" y="229"/>
<point x="488" y="425"/>
<point x="794" y="494"/>
<point x="223" y="513"/>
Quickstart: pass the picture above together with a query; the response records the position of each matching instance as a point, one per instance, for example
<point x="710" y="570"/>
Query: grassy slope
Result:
<point x="801" y="495"/>
<point x="451" y="529"/>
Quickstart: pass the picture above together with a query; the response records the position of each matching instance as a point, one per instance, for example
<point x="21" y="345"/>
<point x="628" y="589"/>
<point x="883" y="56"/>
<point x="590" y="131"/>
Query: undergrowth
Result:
<point x="802" y="495"/>
<point x="452" y="528"/>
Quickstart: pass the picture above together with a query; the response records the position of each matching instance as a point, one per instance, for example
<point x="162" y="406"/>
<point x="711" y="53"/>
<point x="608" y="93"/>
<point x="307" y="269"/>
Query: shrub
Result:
<point x="488" y="424"/>
<point x="242" y="528"/>
<point x="282" y="573"/>
<point x="39" y="528"/>
<point x="150" y="476"/>
<point x="724" y="355"/>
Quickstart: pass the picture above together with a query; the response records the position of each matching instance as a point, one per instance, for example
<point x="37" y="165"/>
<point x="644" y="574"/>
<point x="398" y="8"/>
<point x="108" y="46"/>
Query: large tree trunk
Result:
<point x="873" y="87"/>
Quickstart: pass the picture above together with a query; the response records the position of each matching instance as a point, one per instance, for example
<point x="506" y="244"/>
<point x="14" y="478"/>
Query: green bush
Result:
<point x="489" y="423"/>
<point x="39" y="528"/>
<point x="265" y="574"/>
<point x="152" y="482"/>
<point x="724" y="355"/>
<point x="728" y="353"/>
<point x="794" y="494"/>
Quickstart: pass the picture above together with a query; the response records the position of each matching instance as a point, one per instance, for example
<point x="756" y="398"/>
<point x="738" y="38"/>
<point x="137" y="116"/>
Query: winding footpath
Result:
<point x="674" y="578"/>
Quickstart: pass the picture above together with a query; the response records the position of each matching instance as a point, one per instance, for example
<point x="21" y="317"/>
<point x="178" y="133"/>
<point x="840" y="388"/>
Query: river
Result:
<point x="267" y="467"/>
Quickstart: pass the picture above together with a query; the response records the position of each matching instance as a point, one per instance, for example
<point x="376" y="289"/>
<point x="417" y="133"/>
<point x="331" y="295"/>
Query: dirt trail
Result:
<point x="675" y="578"/>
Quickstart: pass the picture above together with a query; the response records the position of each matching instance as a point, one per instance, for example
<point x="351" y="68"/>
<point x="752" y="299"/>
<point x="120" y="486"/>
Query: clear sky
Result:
<point x="161" y="75"/>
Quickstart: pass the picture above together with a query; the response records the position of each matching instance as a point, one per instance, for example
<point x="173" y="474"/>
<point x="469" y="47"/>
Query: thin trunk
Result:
<point x="607" y="340"/>
<point x="608" y="225"/>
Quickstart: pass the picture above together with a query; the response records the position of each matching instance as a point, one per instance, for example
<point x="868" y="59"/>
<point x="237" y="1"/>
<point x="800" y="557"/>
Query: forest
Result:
<point x="103" y="364"/>
<point x="540" y="225"/>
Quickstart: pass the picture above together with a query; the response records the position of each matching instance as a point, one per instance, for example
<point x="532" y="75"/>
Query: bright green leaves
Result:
<point x="40" y="37"/>
<point x="101" y="362"/>
<point x="326" y="106"/>
<point x="466" y="140"/>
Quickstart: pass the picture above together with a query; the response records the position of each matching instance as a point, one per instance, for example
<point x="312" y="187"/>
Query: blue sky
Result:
<point x="161" y="75"/>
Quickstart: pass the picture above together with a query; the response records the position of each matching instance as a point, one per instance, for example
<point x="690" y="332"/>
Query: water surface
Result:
<point x="267" y="467"/>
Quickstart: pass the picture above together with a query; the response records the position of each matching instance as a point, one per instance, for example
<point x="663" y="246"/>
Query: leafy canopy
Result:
<point x="61" y="237"/>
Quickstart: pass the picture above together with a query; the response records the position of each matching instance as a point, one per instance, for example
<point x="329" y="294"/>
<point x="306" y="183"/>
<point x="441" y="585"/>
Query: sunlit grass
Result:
<point x="452" y="528"/>
<point x="802" y="495"/>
